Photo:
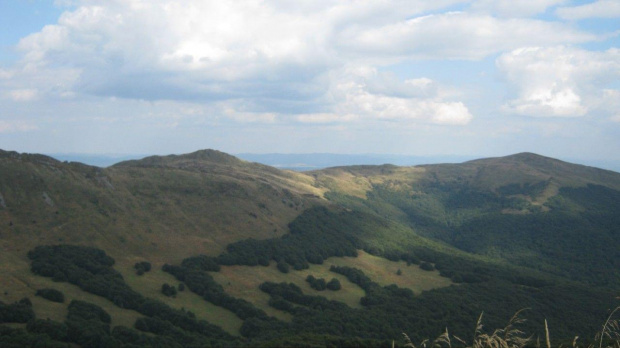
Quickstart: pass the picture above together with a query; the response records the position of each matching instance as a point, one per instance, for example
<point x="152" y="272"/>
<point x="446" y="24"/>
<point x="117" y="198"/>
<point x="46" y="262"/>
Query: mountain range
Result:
<point x="414" y="248"/>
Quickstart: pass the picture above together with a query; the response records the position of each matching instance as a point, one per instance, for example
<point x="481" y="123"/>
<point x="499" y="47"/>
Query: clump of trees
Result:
<point x="427" y="266"/>
<point x="320" y="284"/>
<point x="168" y="290"/>
<point x="283" y="266"/>
<point x="51" y="294"/>
<point x="142" y="267"/>
<point x="18" y="312"/>
<point x="328" y="232"/>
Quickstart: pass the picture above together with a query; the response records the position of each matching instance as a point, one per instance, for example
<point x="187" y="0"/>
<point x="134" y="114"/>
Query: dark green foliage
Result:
<point x="168" y="290"/>
<point x="427" y="266"/>
<point x="399" y="272"/>
<point x="283" y="266"/>
<point x="55" y="330"/>
<point x="89" y="268"/>
<point x="142" y="267"/>
<point x="334" y="285"/>
<point x="204" y="285"/>
<point x="526" y="189"/>
<point x="316" y="284"/>
<point x="131" y="337"/>
<point x="88" y="325"/>
<point x="319" y="341"/>
<point x="292" y="293"/>
<point x="390" y="310"/>
<point x="19" y="338"/>
<point x="329" y="233"/>
<point x="87" y="311"/>
<point x="410" y="258"/>
<point x="51" y="294"/>
<point x="201" y="262"/>
<point x="181" y="287"/>
<point x="354" y="275"/>
<point x="18" y="312"/>
<point x="164" y="328"/>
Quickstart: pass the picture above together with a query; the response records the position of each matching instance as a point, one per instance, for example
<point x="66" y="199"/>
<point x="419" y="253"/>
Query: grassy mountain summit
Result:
<point x="520" y="230"/>
<point x="205" y="200"/>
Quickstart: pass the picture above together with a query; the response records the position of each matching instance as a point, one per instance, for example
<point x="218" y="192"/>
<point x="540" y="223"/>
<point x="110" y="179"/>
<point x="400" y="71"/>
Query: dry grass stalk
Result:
<point x="511" y="337"/>
<point x="548" y="340"/>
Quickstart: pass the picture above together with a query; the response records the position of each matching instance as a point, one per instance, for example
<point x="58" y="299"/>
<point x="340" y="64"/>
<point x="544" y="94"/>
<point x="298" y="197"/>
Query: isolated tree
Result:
<point x="168" y="290"/>
<point x="334" y="284"/>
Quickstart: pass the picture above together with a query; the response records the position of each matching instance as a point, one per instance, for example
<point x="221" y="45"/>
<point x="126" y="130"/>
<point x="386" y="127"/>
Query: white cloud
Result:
<point x="514" y="8"/>
<point x="558" y="81"/>
<point x="209" y="50"/>
<point x="455" y="35"/>
<point x="363" y="93"/>
<point x="22" y="95"/>
<point x="596" y="9"/>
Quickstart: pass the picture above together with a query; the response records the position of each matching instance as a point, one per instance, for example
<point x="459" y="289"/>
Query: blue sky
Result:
<point x="447" y="77"/>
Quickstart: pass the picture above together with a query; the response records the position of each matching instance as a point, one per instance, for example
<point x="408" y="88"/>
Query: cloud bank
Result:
<point x="260" y="66"/>
<point x="267" y="60"/>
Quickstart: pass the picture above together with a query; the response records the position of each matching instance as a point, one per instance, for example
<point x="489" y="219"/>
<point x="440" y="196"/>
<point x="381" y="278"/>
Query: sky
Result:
<point x="414" y="77"/>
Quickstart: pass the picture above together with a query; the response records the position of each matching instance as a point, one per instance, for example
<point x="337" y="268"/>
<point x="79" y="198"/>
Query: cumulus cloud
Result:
<point x="311" y="61"/>
<point x="596" y="9"/>
<point x="558" y="81"/>
<point x="364" y="93"/>
<point x="456" y="35"/>
<point x="210" y="50"/>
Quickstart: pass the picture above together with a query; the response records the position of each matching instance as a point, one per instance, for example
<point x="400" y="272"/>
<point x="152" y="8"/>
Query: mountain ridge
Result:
<point x="529" y="225"/>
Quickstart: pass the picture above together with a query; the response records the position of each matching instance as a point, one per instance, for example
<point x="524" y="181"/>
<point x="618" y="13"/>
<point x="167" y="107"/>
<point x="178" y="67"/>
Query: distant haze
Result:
<point x="312" y="161"/>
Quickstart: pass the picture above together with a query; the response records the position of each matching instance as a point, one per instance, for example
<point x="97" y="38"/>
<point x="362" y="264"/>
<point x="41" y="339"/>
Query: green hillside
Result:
<point x="414" y="249"/>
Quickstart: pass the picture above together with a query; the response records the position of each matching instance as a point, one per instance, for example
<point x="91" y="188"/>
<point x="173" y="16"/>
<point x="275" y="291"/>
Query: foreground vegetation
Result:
<point x="511" y="336"/>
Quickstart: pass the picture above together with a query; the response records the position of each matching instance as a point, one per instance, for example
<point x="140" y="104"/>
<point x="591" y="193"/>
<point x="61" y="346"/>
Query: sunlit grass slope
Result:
<point x="244" y="281"/>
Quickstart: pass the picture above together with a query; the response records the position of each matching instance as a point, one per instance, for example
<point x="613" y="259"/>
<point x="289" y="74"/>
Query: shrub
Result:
<point x="427" y="266"/>
<point x="142" y="267"/>
<point x="168" y="290"/>
<point x="334" y="284"/>
<point x="51" y="294"/>
<point x="283" y="266"/>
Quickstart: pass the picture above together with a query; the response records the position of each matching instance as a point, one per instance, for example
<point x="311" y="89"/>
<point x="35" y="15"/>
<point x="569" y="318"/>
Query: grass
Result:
<point x="511" y="336"/>
<point x="149" y="285"/>
<point x="243" y="281"/>
<point x="383" y="272"/>
<point x="18" y="282"/>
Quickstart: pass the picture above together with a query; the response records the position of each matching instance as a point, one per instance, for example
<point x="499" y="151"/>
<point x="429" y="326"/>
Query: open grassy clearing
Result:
<point x="384" y="271"/>
<point x="18" y="282"/>
<point x="149" y="285"/>
<point x="357" y="181"/>
<point x="243" y="281"/>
